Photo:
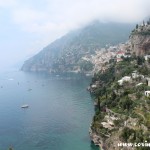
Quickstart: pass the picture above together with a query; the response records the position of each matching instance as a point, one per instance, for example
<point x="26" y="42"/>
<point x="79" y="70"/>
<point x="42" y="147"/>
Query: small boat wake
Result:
<point x="10" y="79"/>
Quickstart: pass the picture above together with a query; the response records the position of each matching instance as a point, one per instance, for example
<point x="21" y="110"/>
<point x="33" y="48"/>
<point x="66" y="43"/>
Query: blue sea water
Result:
<point x="59" y="114"/>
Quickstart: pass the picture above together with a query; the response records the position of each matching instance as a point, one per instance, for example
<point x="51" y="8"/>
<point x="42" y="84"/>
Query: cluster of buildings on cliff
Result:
<point x="103" y="56"/>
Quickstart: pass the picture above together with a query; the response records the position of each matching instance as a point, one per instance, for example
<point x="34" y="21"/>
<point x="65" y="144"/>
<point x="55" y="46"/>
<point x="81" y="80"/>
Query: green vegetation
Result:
<point x="85" y="65"/>
<point x="127" y="102"/>
<point x="145" y="33"/>
<point x="142" y="29"/>
<point x="126" y="133"/>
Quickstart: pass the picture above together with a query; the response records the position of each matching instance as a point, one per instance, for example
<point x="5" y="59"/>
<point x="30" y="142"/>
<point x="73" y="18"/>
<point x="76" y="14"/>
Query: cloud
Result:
<point x="117" y="10"/>
<point x="7" y="3"/>
<point x="59" y="15"/>
<point x="52" y="19"/>
<point x="27" y="16"/>
<point x="56" y="17"/>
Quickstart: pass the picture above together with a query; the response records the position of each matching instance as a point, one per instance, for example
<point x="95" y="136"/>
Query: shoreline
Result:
<point x="97" y="140"/>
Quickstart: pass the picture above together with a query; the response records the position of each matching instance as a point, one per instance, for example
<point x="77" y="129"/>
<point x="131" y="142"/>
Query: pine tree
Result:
<point x="99" y="108"/>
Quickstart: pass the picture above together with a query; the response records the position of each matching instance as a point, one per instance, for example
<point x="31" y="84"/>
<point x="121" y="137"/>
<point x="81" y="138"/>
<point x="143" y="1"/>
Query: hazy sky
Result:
<point x="28" y="26"/>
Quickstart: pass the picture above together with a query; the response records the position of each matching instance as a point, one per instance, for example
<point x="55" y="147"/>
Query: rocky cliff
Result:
<point x="65" y="54"/>
<point x="140" y="40"/>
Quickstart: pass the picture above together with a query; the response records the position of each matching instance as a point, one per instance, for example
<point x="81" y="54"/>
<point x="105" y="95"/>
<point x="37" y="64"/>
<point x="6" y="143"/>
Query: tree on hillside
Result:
<point x="126" y="133"/>
<point x="99" y="107"/>
<point x="126" y="103"/>
<point x="140" y="60"/>
<point x="86" y="65"/>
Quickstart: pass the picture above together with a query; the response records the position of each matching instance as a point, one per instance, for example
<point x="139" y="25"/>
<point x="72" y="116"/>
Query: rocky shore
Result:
<point x="96" y="139"/>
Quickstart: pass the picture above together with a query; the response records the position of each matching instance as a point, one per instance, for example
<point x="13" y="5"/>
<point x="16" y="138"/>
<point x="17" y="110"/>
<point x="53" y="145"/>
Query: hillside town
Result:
<point x="105" y="55"/>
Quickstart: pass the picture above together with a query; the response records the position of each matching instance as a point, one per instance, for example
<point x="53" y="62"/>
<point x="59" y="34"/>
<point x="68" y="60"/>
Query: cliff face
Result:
<point x="140" y="40"/>
<point x="65" y="54"/>
<point x="140" y="44"/>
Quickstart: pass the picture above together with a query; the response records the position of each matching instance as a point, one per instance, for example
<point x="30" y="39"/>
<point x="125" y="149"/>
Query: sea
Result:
<point x="58" y="117"/>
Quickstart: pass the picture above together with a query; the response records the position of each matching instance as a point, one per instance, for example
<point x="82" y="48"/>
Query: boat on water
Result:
<point x="25" y="106"/>
<point x="30" y="89"/>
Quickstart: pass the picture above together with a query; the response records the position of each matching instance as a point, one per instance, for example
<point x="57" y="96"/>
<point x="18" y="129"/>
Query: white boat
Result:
<point x="25" y="106"/>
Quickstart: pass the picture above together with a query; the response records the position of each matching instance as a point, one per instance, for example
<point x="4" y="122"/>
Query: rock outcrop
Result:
<point x="140" y="40"/>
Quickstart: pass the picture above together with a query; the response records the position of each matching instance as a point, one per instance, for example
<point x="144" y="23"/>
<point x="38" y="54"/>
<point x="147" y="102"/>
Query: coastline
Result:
<point x="97" y="140"/>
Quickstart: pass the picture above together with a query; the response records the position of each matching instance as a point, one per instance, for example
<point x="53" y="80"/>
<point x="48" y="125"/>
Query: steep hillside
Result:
<point x="65" y="54"/>
<point x="122" y="97"/>
<point x="122" y="107"/>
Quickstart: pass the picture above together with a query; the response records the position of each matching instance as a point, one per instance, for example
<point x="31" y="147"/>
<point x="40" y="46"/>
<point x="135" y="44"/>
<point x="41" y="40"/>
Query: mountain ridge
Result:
<point x="64" y="54"/>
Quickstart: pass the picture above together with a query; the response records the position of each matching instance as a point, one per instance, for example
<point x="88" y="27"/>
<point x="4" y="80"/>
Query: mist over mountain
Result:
<point x="65" y="53"/>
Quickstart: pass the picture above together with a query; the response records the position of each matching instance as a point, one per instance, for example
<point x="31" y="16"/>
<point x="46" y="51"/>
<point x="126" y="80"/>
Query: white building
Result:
<point x="139" y="84"/>
<point x="135" y="75"/>
<point x="147" y="57"/>
<point x="125" y="78"/>
<point x="148" y="81"/>
<point x="120" y="54"/>
<point x="94" y="86"/>
<point x="147" y="93"/>
<point x="119" y="59"/>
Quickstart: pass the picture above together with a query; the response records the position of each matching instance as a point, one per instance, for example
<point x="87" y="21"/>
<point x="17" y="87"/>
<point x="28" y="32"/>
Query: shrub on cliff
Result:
<point x="126" y="103"/>
<point x="126" y="133"/>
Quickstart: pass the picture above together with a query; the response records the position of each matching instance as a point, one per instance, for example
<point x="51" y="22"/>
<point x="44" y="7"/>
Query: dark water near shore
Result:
<point x="59" y="114"/>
